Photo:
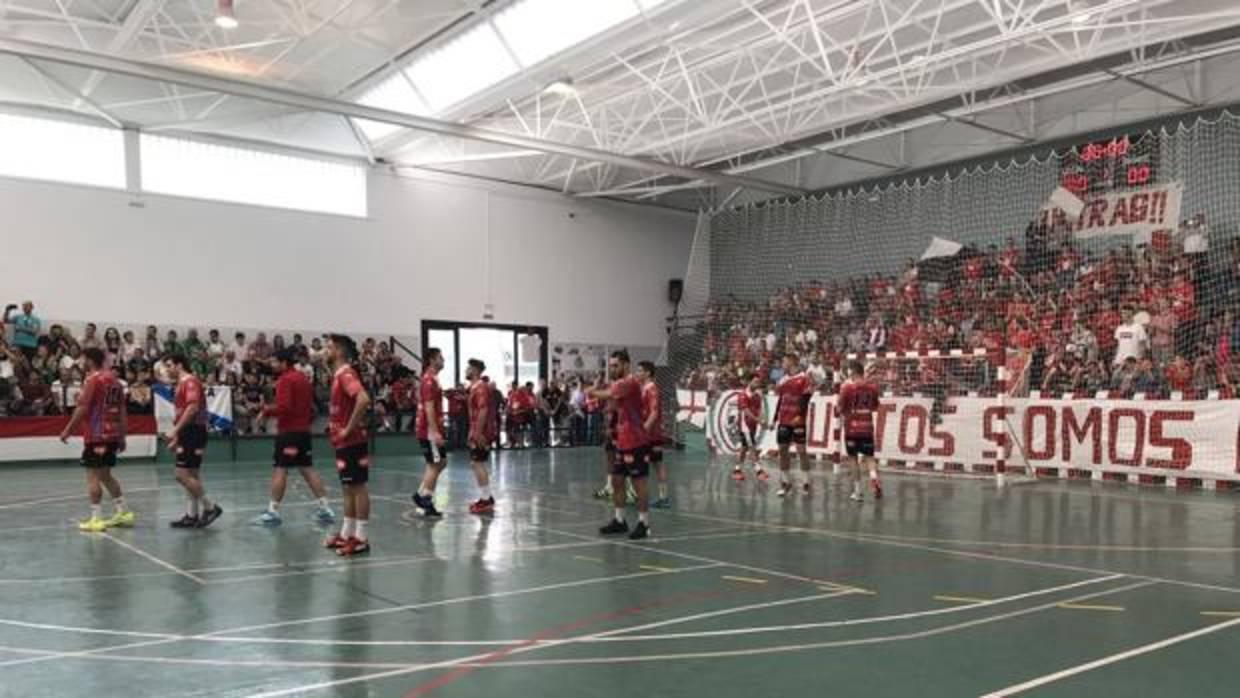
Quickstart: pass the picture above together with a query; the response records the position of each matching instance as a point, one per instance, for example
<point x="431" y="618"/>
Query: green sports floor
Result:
<point x="944" y="588"/>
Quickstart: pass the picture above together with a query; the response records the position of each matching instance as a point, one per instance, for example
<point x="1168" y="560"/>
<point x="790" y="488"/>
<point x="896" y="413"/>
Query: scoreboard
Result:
<point x="1124" y="162"/>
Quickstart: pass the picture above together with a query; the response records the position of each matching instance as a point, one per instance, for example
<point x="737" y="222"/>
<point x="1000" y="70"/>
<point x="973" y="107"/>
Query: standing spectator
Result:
<point x="26" y="328"/>
<point x="1162" y="332"/>
<point x="555" y="408"/>
<point x="1131" y="339"/>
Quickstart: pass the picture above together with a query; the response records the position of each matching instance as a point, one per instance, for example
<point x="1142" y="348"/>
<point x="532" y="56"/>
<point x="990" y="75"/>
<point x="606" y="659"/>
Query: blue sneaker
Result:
<point x="324" y="517"/>
<point x="662" y="503"/>
<point x="268" y="518"/>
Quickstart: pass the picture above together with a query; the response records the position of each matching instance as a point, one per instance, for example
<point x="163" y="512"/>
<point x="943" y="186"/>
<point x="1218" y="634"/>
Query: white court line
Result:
<point x="1111" y="659"/>
<point x="480" y="660"/>
<point x="863" y="538"/>
<point x="150" y="557"/>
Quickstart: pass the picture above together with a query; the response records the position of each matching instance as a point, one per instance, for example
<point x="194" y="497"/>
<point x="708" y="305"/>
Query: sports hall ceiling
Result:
<point x="685" y="103"/>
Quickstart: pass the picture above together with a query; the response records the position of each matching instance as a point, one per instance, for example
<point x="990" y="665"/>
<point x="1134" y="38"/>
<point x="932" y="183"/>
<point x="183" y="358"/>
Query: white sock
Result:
<point x="856" y="487"/>
<point x="619" y="514"/>
<point x="206" y="503"/>
<point x="274" y="507"/>
<point x="346" y="529"/>
<point x="96" y="511"/>
<point x="662" y="490"/>
<point x="119" y="504"/>
<point x="359" y="529"/>
<point x="873" y="474"/>
<point x="191" y="506"/>
<point x="324" y="505"/>
<point x="486" y="492"/>
<point x="423" y="492"/>
<point x="643" y="516"/>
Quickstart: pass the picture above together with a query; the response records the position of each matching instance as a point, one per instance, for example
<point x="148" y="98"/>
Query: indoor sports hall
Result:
<point x="619" y="347"/>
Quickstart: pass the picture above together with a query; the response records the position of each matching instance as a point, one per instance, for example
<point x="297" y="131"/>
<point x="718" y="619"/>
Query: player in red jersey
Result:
<point x="794" y="391"/>
<point x="632" y="461"/>
<point x="346" y="417"/>
<point x="293" y="411"/>
<point x="750" y="405"/>
<point x="429" y="429"/>
<point x="652" y="422"/>
<point x="187" y="439"/>
<point x="101" y="412"/>
<point x="482" y="431"/>
<point x="857" y="403"/>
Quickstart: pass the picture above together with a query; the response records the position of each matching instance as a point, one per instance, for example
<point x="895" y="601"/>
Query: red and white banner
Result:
<point x="1139" y="213"/>
<point x="37" y="438"/>
<point x="1170" y="438"/>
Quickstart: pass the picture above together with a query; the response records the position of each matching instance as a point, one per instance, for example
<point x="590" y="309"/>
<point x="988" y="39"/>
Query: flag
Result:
<point x="940" y="247"/>
<point x="219" y="407"/>
<point x="692" y="407"/>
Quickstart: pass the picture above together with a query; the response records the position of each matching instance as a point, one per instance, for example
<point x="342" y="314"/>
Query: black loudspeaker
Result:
<point x="675" y="290"/>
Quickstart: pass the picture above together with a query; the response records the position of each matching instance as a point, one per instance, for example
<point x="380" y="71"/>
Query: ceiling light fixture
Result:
<point x="1083" y="19"/>
<point x="225" y="18"/>
<point x="563" y="87"/>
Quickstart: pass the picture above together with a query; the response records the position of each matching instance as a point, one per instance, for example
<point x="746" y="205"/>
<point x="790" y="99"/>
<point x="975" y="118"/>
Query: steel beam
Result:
<point x="301" y="100"/>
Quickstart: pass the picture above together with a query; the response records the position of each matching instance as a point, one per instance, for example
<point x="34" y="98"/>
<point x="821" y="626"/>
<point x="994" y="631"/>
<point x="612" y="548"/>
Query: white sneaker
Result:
<point x="856" y="497"/>
<point x="785" y="489"/>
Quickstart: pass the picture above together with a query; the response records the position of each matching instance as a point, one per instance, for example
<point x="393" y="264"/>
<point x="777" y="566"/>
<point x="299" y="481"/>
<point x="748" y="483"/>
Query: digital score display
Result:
<point x="1126" y="162"/>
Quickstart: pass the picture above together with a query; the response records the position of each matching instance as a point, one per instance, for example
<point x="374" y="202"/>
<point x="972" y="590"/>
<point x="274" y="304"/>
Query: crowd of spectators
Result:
<point x="41" y="372"/>
<point x="1143" y="319"/>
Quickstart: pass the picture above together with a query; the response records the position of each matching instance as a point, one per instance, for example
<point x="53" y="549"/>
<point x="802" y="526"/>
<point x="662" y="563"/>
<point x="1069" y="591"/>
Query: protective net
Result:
<point x="1070" y="315"/>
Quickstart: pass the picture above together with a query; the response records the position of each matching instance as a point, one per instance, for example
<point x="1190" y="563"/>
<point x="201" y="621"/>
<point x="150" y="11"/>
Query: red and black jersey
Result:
<point x="857" y="403"/>
<point x="652" y="405"/>
<point x="104" y="398"/>
<point x="346" y="386"/>
<point x="481" y="413"/>
<point x="794" y="392"/>
<point x="429" y="393"/>
<point x="750" y="405"/>
<point x="190" y="392"/>
<point x="626" y="401"/>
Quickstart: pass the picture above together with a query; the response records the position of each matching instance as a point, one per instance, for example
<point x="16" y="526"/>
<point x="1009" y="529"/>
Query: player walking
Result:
<point x="101" y="412"/>
<point x="750" y="404"/>
<point x="632" y="462"/>
<point x="482" y="431"/>
<point x="429" y="430"/>
<point x="346" y="429"/>
<point x="858" y="401"/>
<point x="293" y="411"/>
<point x="188" y="440"/>
<point x="794" y="391"/>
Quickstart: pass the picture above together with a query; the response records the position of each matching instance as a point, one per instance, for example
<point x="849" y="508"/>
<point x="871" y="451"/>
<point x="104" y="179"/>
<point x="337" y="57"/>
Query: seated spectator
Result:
<point x="141" y="400"/>
<point x="112" y="343"/>
<point x="90" y="337"/>
<point x="215" y="347"/>
<point x="129" y="346"/>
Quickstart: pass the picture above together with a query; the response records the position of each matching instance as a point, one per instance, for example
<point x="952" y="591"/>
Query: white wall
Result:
<point x="433" y="248"/>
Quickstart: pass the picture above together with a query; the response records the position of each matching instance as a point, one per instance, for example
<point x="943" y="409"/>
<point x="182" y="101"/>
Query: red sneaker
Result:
<point x="738" y="475"/>
<point x="761" y="475"/>
<point x="335" y="542"/>
<point x="353" y="547"/>
<point x="483" y="507"/>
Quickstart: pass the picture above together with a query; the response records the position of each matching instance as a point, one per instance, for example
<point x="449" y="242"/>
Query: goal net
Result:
<point x="1073" y="315"/>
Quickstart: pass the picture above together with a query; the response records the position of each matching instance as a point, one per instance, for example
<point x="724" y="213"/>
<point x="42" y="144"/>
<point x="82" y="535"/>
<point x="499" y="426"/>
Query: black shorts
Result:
<point x="749" y="437"/>
<point x="654" y="454"/>
<point x="859" y="445"/>
<point x="479" y="455"/>
<point x="99" y="455"/>
<point x="790" y="435"/>
<point x="634" y="464"/>
<point x="353" y="464"/>
<point x="292" y="450"/>
<point x="434" y="454"/>
<point x="191" y="444"/>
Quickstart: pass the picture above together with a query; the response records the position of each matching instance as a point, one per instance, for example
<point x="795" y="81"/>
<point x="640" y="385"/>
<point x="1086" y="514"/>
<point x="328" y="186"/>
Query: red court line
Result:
<point x="561" y="630"/>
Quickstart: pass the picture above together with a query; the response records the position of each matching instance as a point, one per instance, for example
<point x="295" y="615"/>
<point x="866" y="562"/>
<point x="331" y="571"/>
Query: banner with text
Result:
<point x="1198" y="438"/>
<point x="1139" y="213"/>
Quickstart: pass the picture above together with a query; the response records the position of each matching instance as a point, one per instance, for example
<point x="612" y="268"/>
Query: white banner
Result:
<point x="1190" y="438"/>
<point x="1139" y="213"/>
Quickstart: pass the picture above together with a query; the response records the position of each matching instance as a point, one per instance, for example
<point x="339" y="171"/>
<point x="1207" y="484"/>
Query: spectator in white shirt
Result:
<point x="817" y="372"/>
<point x="1131" y="341"/>
<point x="844" y="307"/>
<point x="71" y="360"/>
<point x="239" y="348"/>
<point x="129" y="346"/>
<point x="215" y="347"/>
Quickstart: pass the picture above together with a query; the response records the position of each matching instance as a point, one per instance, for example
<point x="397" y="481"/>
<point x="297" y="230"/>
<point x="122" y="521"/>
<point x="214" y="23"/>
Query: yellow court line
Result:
<point x="1088" y="607"/>
<point x="746" y="580"/>
<point x="655" y="568"/>
<point x="960" y="599"/>
<point x="587" y="559"/>
<point x="1222" y="614"/>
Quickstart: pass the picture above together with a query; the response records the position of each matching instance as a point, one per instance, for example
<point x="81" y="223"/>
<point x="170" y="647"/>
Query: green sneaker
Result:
<point x="121" y="519"/>
<point x="93" y="525"/>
